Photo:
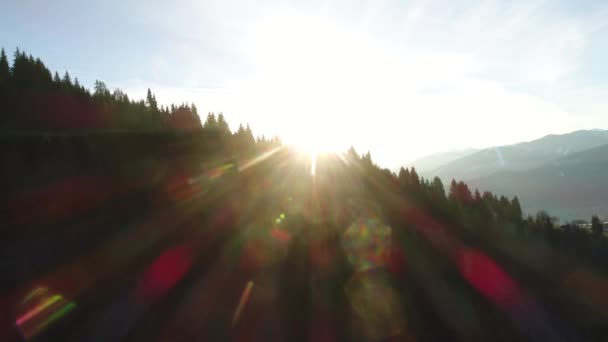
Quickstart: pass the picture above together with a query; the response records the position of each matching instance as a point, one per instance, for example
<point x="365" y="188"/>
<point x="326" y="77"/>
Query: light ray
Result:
<point x="242" y="302"/>
<point x="259" y="158"/>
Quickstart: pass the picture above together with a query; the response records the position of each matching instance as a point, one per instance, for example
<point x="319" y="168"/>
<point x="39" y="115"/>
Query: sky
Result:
<point x="402" y="79"/>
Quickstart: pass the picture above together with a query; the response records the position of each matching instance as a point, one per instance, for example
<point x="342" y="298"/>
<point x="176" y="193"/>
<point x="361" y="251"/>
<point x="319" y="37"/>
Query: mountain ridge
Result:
<point x="519" y="156"/>
<point x="573" y="187"/>
<point x="566" y="179"/>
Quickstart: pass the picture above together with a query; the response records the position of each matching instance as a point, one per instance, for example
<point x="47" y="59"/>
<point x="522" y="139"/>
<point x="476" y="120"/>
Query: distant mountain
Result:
<point x="519" y="157"/>
<point x="571" y="187"/>
<point x="433" y="161"/>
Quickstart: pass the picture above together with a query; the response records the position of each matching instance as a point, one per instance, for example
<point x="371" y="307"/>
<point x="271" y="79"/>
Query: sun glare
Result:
<point x="307" y="69"/>
<point x="315" y="142"/>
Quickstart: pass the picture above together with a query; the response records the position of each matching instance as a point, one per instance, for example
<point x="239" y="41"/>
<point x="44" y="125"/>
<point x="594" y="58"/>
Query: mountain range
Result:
<point x="434" y="161"/>
<point x="565" y="174"/>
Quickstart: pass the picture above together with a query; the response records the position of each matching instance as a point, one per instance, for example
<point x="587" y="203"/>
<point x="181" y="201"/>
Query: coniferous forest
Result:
<point x="126" y="220"/>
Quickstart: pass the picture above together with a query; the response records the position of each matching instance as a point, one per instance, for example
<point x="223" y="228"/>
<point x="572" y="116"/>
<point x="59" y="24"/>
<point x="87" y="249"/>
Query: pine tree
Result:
<point x="404" y="177"/>
<point x="596" y="226"/>
<point x="477" y="196"/>
<point x="544" y="222"/>
<point x="6" y="104"/>
<point x="351" y="153"/>
<point x="453" y="192"/>
<point x="222" y="125"/>
<point x="211" y="123"/>
<point x="415" y="180"/>
<point x="100" y="89"/>
<point x="249" y="135"/>
<point x="67" y="81"/>
<point x="240" y="132"/>
<point x="19" y="71"/>
<point x="43" y="75"/>
<point x="366" y="159"/>
<point x="4" y="69"/>
<point x="151" y="102"/>
<point x="516" y="209"/>
<point x="437" y="188"/>
<point x="464" y="193"/>
<point x="56" y="79"/>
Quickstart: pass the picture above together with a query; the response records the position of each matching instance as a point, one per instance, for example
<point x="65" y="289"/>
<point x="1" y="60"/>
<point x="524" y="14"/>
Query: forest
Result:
<point x="126" y="220"/>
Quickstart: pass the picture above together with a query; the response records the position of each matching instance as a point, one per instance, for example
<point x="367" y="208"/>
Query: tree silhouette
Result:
<point x="56" y="79"/>
<point x="404" y="177"/>
<point x="151" y="101"/>
<point x="211" y="122"/>
<point x="222" y="125"/>
<point x="437" y="189"/>
<point x="4" y="69"/>
<point x="66" y="81"/>
<point x="596" y="226"/>
<point x="477" y="196"/>
<point x="516" y="212"/>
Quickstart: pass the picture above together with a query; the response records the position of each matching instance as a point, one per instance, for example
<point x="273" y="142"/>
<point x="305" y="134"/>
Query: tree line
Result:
<point x="34" y="99"/>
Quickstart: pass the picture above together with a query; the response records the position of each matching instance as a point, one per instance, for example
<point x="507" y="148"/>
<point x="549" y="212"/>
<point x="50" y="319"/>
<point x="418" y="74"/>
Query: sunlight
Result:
<point x="253" y="161"/>
<point x="314" y="141"/>
<point x="308" y="69"/>
<point x="317" y="74"/>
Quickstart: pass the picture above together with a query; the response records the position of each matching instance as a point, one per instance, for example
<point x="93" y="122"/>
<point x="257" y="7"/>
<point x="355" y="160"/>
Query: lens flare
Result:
<point x="42" y="308"/>
<point x="242" y="302"/>
<point x="367" y="243"/>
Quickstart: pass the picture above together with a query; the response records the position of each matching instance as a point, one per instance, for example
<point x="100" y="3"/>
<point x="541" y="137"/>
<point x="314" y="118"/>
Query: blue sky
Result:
<point x="400" y="78"/>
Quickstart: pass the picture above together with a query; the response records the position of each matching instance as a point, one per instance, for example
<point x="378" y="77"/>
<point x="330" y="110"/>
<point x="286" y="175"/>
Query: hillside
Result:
<point x="574" y="186"/>
<point x="520" y="157"/>
<point x="433" y="161"/>
<point x="145" y="223"/>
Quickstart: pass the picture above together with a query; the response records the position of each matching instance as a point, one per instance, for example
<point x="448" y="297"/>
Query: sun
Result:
<point x="306" y="69"/>
<point x="315" y="143"/>
<point x="315" y="140"/>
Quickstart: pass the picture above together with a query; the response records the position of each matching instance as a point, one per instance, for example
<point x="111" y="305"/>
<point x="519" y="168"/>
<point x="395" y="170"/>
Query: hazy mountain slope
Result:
<point x="575" y="186"/>
<point x="592" y="155"/>
<point x="520" y="157"/>
<point x="433" y="161"/>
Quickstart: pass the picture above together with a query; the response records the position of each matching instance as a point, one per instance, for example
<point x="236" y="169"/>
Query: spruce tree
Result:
<point x="4" y="69"/>
<point x="67" y="80"/>
<point x="596" y="226"/>
<point x="222" y="125"/>
<point x="151" y="102"/>
<point x="211" y="122"/>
